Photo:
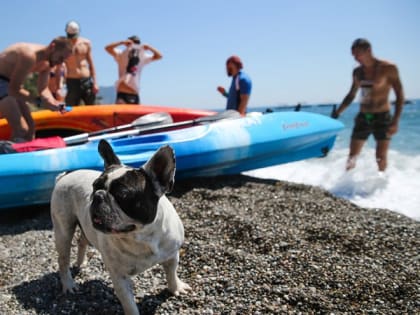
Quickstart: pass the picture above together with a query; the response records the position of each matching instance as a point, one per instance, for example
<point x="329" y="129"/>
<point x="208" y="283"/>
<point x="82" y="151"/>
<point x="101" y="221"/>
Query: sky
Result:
<point x="293" y="50"/>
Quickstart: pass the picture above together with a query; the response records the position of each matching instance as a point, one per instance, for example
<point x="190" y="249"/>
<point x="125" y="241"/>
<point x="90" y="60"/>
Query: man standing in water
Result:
<point x="80" y="70"/>
<point x="375" y="78"/>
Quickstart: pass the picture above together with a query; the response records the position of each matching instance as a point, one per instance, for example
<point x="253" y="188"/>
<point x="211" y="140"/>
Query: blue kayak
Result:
<point x="218" y="148"/>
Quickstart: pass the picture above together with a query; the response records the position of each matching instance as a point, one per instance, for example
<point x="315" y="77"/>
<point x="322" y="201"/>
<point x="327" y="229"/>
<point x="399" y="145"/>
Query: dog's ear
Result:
<point x="105" y="150"/>
<point x="161" y="169"/>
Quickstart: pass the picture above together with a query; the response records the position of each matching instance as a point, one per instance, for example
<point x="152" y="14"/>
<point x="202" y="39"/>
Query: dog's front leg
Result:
<point x="63" y="237"/>
<point x="124" y="290"/>
<point x="175" y="285"/>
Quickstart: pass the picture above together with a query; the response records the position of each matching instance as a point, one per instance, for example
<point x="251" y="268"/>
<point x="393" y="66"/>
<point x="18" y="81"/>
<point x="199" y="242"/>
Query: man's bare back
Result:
<point x="16" y="63"/>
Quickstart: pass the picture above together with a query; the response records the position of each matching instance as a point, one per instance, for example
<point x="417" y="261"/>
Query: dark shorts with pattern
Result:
<point x="80" y="90"/>
<point x="128" y="98"/>
<point x="371" y="123"/>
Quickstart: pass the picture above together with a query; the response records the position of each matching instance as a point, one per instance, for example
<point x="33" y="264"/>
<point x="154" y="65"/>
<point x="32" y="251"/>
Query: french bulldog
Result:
<point x="124" y="213"/>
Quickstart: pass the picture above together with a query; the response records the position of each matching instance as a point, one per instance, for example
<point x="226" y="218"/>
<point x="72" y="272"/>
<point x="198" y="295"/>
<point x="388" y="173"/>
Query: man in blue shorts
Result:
<point x="240" y="88"/>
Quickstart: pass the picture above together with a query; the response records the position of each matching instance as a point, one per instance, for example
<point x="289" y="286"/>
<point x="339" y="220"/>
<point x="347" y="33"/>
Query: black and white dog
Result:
<point x="125" y="214"/>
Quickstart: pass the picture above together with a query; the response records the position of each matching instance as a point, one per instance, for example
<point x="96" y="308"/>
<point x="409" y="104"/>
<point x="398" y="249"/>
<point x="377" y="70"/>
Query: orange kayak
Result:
<point x="81" y="119"/>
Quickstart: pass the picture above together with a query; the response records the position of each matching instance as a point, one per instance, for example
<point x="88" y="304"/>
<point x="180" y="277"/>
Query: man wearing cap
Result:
<point x="131" y="61"/>
<point x="375" y="78"/>
<point x="16" y="63"/>
<point x="240" y="88"/>
<point x="80" y="70"/>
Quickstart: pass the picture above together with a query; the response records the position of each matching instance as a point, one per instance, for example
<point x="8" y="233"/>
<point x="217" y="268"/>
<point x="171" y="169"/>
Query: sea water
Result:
<point x="396" y="189"/>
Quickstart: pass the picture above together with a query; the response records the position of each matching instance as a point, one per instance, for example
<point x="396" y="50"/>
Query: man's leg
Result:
<point x="28" y="120"/>
<point x="89" y="98"/>
<point x="381" y="154"/>
<point x="356" y="146"/>
<point x="74" y="92"/>
<point x="10" y="109"/>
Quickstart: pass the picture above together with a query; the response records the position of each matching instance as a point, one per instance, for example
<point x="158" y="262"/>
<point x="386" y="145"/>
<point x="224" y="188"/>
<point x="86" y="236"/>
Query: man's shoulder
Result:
<point x="244" y="76"/>
<point x="387" y="65"/>
<point x="83" y="40"/>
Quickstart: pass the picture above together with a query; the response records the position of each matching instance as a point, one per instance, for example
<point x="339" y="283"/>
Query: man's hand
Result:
<point x="393" y="128"/>
<point x="222" y="90"/>
<point x="62" y="108"/>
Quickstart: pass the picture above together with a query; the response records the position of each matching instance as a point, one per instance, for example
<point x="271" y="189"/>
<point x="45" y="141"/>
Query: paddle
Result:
<point x="151" y="119"/>
<point x="57" y="142"/>
<point x="229" y="114"/>
<point x="334" y="112"/>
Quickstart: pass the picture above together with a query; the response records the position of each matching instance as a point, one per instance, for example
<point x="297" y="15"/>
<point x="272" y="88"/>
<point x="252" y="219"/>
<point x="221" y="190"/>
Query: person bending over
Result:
<point x="16" y="63"/>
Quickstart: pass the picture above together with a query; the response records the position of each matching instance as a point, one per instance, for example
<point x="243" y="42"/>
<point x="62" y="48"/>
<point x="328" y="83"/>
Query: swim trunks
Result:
<point x="128" y="98"/>
<point x="80" y="89"/>
<point x="4" y="86"/>
<point x="371" y="123"/>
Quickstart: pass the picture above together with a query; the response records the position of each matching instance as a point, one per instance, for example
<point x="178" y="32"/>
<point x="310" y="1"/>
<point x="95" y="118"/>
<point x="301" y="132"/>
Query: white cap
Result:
<point x="72" y="28"/>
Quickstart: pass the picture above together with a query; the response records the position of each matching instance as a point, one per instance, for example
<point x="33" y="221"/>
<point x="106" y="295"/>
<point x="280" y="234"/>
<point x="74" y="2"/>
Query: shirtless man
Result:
<point x="80" y="70"/>
<point x="375" y="78"/>
<point x="16" y="63"/>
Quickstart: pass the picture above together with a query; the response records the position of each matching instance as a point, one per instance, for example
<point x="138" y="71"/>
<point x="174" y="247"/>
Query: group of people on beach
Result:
<point x="68" y="60"/>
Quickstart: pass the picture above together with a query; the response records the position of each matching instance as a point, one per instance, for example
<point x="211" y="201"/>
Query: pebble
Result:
<point x="252" y="246"/>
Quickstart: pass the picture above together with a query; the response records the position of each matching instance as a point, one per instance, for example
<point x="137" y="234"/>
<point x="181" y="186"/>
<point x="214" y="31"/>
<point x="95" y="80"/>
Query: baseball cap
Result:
<point x="236" y="60"/>
<point x="135" y="39"/>
<point x="72" y="29"/>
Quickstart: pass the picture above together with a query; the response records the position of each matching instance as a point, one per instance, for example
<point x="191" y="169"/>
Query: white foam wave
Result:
<point x="397" y="189"/>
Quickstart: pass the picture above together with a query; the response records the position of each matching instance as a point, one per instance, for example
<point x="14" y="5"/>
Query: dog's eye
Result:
<point x="99" y="183"/>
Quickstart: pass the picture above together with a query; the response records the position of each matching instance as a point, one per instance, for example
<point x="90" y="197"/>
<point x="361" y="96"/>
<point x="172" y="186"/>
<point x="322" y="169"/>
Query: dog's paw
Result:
<point x="180" y="288"/>
<point x="69" y="286"/>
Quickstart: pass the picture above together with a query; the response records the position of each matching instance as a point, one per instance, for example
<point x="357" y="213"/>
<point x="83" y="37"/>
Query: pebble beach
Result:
<point x="252" y="246"/>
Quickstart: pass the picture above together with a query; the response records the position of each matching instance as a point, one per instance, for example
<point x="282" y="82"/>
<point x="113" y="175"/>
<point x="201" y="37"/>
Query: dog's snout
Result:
<point x="98" y="196"/>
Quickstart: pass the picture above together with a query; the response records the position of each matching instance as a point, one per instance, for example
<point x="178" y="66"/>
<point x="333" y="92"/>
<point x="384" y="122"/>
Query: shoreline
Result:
<point x="252" y="246"/>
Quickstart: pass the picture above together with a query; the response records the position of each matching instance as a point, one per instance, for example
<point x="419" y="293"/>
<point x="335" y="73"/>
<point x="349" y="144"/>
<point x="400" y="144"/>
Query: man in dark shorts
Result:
<point x="79" y="69"/>
<point x="375" y="78"/>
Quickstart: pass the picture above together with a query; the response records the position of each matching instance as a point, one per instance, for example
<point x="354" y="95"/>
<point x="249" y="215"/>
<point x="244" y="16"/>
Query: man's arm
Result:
<point x="243" y="104"/>
<point x="399" y="103"/>
<point x="92" y="68"/>
<point x="21" y="70"/>
<point x="111" y="47"/>
<point x="44" y="92"/>
<point x="245" y="86"/>
<point x="156" y="53"/>
<point x="349" y="97"/>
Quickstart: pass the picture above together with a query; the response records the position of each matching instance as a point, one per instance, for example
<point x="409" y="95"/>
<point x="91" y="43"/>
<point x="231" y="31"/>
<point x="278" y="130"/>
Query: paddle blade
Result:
<point x="153" y="119"/>
<point x="228" y="114"/>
